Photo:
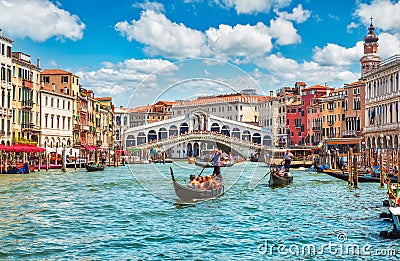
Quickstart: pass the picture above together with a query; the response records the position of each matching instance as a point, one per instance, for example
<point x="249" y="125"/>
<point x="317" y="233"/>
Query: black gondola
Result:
<point x="95" y="167"/>
<point x="361" y="178"/>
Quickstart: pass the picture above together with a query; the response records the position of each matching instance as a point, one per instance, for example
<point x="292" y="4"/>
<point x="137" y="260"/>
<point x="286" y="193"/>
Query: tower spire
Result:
<point x="371" y="59"/>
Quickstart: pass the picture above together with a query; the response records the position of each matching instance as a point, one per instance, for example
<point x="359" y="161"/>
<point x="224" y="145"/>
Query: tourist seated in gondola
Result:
<point x="193" y="183"/>
<point x="200" y="179"/>
<point x="208" y="183"/>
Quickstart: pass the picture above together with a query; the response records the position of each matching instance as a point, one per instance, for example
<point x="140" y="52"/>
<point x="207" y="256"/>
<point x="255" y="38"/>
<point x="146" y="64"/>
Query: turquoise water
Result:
<point x="130" y="213"/>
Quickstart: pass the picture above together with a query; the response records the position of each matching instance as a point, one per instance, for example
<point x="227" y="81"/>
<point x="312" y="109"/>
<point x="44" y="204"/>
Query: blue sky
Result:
<point x="155" y="50"/>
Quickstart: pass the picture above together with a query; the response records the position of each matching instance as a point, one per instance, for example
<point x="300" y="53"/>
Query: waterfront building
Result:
<point x="83" y="117"/>
<point x="382" y="95"/>
<point x="314" y="121"/>
<point x="241" y="107"/>
<point x="308" y="94"/>
<point x="268" y="116"/>
<point x="6" y="87"/>
<point x="286" y="96"/>
<point x="354" y="104"/>
<point x="333" y="114"/>
<point x="105" y="123"/>
<point x="25" y="99"/>
<point x="382" y="115"/>
<point x="57" y="109"/>
<point x="294" y="125"/>
<point x="122" y="123"/>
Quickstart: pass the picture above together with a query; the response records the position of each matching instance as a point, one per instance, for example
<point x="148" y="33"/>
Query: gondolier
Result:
<point x="216" y="158"/>
<point x="287" y="158"/>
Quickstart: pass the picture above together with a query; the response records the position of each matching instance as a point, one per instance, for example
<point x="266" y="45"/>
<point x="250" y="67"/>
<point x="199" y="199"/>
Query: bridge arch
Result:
<point x="236" y="133"/>
<point x="256" y="138"/>
<point x="151" y="135"/>
<point x="225" y="130"/>
<point x="173" y="131"/>
<point x="184" y="128"/>
<point x="246" y="135"/>
<point x="215" y="127"/>
<point x="267" y="140"/>
<point x="141" y="138"/>
<point x="162" y="133"/>
<point x="189" y="149"/>
<point x="130" y="141"/>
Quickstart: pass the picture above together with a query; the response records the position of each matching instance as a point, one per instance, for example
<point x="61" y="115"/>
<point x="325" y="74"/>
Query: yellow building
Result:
<point x="333" y="114"/>
<point x="25" y="99"/>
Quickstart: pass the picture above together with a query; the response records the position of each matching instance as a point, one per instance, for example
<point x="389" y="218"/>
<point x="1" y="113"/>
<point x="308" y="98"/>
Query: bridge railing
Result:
<point x="202" y="135"/>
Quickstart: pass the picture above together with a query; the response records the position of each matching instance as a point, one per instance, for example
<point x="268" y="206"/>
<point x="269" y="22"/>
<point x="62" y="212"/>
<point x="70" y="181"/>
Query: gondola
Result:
<point x="91" y="168"/>
<point x="277" y="180"/>
<point x="187" y="194"/>
<point x="361" y="178"/>
<point x="209" y="164"/>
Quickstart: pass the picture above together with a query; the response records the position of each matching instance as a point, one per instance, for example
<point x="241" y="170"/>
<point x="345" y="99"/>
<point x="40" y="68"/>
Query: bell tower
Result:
<point x="371" y="59"/>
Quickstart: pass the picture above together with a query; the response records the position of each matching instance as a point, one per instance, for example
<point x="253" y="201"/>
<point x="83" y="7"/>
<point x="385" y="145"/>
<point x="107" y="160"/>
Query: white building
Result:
<point x="269" y="116"/>
<point x="241" y="107"/>
<point x="6" y="88"/>
<point x="56" y="119"/>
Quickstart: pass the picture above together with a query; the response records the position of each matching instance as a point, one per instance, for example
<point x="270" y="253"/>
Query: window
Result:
<point x="46" y="79"/>
<point x="51" y="102"/>
<point x="52" y="121"/>
<point x="64" y="79"/>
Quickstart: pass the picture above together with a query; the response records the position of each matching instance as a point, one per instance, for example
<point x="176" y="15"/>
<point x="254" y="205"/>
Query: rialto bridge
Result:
<point x="192" y="133"/>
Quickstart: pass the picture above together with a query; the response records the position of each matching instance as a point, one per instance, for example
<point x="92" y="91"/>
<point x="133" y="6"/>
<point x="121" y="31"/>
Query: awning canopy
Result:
<point x="343" y="141"/>
<point x="22" y="148"/>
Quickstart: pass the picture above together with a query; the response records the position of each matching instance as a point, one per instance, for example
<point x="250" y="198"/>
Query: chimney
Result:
<point x="53" y="87"/>
<point x="271" y="94"/>
<point x="38" y="62"/>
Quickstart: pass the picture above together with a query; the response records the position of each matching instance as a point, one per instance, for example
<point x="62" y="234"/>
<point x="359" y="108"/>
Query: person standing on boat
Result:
<point x="287" y="158"/>
<point x="215" y="159"/>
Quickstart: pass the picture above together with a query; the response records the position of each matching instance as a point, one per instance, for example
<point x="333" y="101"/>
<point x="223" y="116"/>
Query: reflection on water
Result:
<point x="132" y="213"/>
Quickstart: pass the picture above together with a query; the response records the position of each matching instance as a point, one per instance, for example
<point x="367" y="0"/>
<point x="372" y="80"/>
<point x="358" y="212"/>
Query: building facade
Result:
<point x="6" y="89"/>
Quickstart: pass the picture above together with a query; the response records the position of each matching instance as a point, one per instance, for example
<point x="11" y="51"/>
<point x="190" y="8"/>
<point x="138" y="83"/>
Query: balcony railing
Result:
<point x="349" y="133"/>
<point x="27" y="104"/>
<point x="28" y="84"/>
<point x="27" y="125"/>
<point x="2" y="133"/>
<point x="317" y="128"/>
<point x="330" y="123"/>
<point x="382" y="127"/>
<point x="3" y="84"/>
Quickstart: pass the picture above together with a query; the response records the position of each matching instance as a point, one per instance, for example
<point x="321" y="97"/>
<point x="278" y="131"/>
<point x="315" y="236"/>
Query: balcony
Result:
<point x="382" y="127"/>
<point x="2" y="133"/>
<point x="27" y="105"/>
<point x="317" y="128"/>
<point x="330" y="123"/>
<point x="3" y="84"/>
<point x="85" y="128"/>
<point x="9" y="86"/>
<point x="77" y="127"/>
<point x="27" y="126"/>
<point x="349" y="133"/>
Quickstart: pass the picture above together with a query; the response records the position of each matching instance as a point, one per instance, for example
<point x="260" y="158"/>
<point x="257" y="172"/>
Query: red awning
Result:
<point x="22" y="148"/>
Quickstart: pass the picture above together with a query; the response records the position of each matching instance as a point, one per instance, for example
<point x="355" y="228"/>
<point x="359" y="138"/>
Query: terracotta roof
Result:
<point x="301" y="83"/>
<point x="103" y="98"/>
<point x="318" y="87"/>
<point x="224" y="99"/>
<point x="167" y="102"/>
<point x="55" y="72"/>
<point x="297" y="103"/>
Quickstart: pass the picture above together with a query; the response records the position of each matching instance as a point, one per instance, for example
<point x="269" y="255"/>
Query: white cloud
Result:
<point x="299" y="15"/>
<point x="39" y="20"/>
<point x="161" y="36"/>
<point x="333" y="54"/>
<point x="386" y="14"/>
<point x="252" y="6"/>
<point x="154" y="6"/>
<point x="389" y="45"/>
<point x="239" y="41"/>
<point x="351" y="26"/>
<point x="284" y="31"/>
<point x="285" y="71"/>
<point x="121" y="79"/>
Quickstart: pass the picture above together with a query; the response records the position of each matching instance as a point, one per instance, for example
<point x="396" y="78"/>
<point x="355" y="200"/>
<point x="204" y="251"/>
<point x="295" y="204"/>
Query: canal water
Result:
<point x="131" y="213"/>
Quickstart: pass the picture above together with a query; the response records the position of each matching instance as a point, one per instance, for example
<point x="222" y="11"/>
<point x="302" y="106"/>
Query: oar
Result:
<point x="258" y="182"/>
<point x="202" y="170"/>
